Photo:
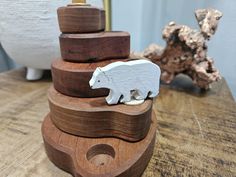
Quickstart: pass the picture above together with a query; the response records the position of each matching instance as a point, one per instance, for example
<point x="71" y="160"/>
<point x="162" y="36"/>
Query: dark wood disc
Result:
<point x="72" y="79"/>
<point x="100" y="157"/>
<point x="95" y="46"/>
<point x="93" y="117"/>
<point x="81" y="19"/>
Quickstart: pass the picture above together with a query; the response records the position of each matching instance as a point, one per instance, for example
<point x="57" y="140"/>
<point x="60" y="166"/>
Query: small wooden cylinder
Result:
<point x="93" y="117"/>
<point x="95" y="47"/>
<point x="81" y="19"/>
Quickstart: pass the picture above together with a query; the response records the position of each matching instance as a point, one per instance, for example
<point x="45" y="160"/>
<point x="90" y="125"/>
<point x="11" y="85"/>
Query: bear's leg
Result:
<point x="113" y="97"/>
<point x="109" y="97"/>
<point x="126" y="97"/>
<point x="153" y="94"/>
<point x="134" y="99"/>
<point x="142" y="95"/>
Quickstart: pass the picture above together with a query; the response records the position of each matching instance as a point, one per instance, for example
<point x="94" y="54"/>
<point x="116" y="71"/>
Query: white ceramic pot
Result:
<point x="29" y="33"/>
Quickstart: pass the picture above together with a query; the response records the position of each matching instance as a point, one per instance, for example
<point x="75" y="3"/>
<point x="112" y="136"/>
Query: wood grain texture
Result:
<point x="101" y="157"/>
<point x="72" y="79"/>
<point x="81" y="19"/>
<point x="92" y="117"/>
<point x="196" y="131"/>
<point x="93" y="47"/>
<point x="180" y="149"/>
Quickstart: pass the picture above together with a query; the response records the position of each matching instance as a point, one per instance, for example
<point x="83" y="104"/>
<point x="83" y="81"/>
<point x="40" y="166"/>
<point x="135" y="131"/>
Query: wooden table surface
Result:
<point x="196" y="131"/>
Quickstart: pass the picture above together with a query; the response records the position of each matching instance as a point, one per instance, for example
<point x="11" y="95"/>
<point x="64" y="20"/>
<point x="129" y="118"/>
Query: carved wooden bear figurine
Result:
<point x="127" y="81"/>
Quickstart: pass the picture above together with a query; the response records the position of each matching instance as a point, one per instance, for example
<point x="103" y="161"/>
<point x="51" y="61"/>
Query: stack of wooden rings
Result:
<point x="83" y="135"/>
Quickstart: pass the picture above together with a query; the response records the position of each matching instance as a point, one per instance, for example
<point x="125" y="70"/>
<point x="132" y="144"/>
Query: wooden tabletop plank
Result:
<point x="196" y="130"/>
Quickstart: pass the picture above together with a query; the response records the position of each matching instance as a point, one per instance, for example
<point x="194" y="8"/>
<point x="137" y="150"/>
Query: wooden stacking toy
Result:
<point x="89" y="131"/>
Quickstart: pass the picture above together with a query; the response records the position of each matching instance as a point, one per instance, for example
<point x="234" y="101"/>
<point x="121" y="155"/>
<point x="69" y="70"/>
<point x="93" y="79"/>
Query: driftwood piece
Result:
<point x="186" y="50"/>
<point x="208" y="21"/>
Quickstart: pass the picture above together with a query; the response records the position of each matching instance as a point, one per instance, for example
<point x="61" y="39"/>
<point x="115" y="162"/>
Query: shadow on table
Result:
<point x="183" y="83"/>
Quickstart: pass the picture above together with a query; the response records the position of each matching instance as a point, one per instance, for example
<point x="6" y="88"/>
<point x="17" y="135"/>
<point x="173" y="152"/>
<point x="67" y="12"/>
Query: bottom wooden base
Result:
<point x="101" y="157"/>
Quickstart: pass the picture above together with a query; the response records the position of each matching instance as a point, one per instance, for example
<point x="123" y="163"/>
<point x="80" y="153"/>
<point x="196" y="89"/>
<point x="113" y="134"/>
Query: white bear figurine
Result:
<point x="128" y="81"/>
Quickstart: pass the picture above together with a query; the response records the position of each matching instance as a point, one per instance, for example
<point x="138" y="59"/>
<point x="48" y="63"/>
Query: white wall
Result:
<point x="29" y="32"/>
<point x="145" y="19"/>
<point x="3" y="62"/>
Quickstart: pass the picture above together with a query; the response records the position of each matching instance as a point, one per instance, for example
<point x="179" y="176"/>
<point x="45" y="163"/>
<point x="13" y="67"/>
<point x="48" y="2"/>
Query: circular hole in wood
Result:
<point x="101" y="155"/>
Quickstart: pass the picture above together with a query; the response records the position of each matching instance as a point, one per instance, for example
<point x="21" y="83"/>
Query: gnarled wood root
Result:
<point x="186" y="50"/>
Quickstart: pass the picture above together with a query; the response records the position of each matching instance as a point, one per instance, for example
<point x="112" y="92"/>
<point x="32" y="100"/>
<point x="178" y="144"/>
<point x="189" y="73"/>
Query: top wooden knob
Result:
<point x="81" y="18"/>
<point x="79" y="3"/>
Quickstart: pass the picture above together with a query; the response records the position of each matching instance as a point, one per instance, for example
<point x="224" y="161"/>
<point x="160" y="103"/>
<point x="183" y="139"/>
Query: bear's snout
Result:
<point x="91" y="83"/>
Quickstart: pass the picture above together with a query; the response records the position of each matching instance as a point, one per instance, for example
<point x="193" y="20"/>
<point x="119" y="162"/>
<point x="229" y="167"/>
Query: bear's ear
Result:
<point x="98" y="70"/>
